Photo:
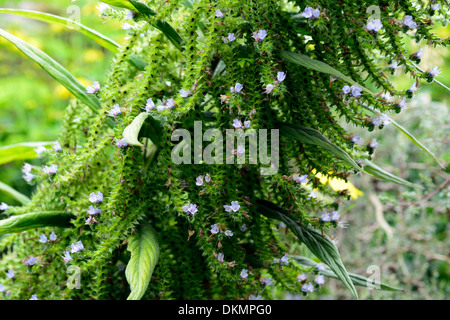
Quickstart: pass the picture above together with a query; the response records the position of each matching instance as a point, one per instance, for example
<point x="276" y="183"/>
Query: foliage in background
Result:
<point x="193" y="269"/>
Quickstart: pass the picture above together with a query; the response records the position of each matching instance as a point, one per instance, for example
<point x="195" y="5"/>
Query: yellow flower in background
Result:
<point x="61" y="92"/>
<point x="338" y="184"/>
<point x="93" y="55"/>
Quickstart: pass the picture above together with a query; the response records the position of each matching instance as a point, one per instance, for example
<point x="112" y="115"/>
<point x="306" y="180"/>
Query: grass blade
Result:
<point x="58" y="72"/>
<point x="13" y="193"/>
<point x="27" y="221"/>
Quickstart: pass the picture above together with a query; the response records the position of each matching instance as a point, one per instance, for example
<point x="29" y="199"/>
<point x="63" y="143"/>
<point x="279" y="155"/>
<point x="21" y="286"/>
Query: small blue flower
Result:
<point x="94" y="211"/>
<point x="237" y="88"/>
<point x="233" y="207"/>
<point x="199" y="181"/>
<point x="3" y="206"/>
<point x="94" y="88"/>
<point x="229" y="233"/>
<point x="300" y="179"/>
<point x="219" y="14"/>
<point x="253" y="297"/>
<point x="281" y="76"/>
<point x="57" y="147"/>
<point x="434" y="72"/>
<point x="409" y="22"/>
<point x="50" y="170"/>
<point x="321" y="267"/>
<point x="34" y="297"/>
<point x="31" y="261"/>
<point x="10" y="274"/>
<point x="53" y="236"/>
<point x="320" y="279"/>
<point x="356" y="139"/>
<point x="43" y="238"/>
<point x="150" y="105"/>
<point x="311" y="13"/>
<point x="185" y="93"/>
<point x="96" y="197"/>
<point x="260" y="35"/>
<point x="67" y="257"/>
<point x="244" y="274"/>
<point x="243" y="228"/>
<point x="2" y="288"/>
<point x="346" y="89"/>
<point x="307" y="287"/>
<point x="335" y="216"/>
<point x="373" y="144"/>
<point x="356" y="91"/>
<point x="374" y="25"/>
<point x="220" y="257"/>
<point x="214" y="229"/>
<point x="114" y="111"/>
<point x="325" y="217"/>
<point x="231" y="37"/>
<point x="269" y="88"/>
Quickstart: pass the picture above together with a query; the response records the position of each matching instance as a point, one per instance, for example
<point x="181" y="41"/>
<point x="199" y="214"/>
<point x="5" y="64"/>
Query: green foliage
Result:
<point x="214" y="241"/>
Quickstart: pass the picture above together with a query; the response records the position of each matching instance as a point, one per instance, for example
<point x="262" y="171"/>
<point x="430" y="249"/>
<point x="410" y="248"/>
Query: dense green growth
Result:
<point x="186" y="45"/>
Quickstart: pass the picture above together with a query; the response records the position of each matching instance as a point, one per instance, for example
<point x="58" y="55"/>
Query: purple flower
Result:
<point x="281" y="76"/>
<point x="2" y="288"/>
<point x="237" y="88"/>
<point x="50" y="170"/>
<point x="199" y="181"/>
<point x="67" y="257"/>
<point x="356" y="139"/>
<point x="413" y="88"/>
<point x="266" y="281"/>
<point x="300" y="179"/>
<point x="10" y="274"/>
<point x="325" y="217"/>
<point x="96" y="197"/>
<point x="321" y="267"/>
<point x="185" y="93"/>
<point x="346" y="89"/>
<point x="402" y="104"/>
<point x="233" y="207"/>
<point x="434" y="72"/>
<point x="377" y="121"/>
<point x="33" y="297"/>
<point x="237" y="124"/>
<point x="114" y="111"/>
<point x="311" y="13"/>
<point x="31" y="261"/>
<point x="373" y="144"/>
<point x="150" y="105"/>
<point x="76" y="247"/>
<point x="269" y="88"/>
<point x="284" y="259"/>
<point x="94" y="88"/>
<point x="320" y="279"/>
<point x="28" y="177"/>
<point x="244" y="274"/>
<point x="229" y="233"/>
<point x="356" y="91"/>
<point x="409" y="22"/>
<point x="94" y="211"/>
<point x="43" y="238"/>
<point x="243" y="228"/>
<point x="219" y="14"/>
<point x="40" y="149"/>
<point x="207" y="178"/>
<point x="301" y="277"/>
<point x="335" y="216"/>
<point x="231" y="37"/>
<point x="214" y="229"/>
<point x="3" y="206"/>
<point x="57" y="147"/>
<point x="121" y="143"/>
<point x="53" y="236"/>
<point x="307" y="287"/>
<point x="260" y="35"/>
<point x="220" y="257"/>
<point x="170" y="103"/>
<point x="253" y="297"/>
<point x="374" y="25"/>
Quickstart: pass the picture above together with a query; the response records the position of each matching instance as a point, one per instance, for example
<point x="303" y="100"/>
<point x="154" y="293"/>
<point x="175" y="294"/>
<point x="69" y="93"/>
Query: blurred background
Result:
<point x="401" y="231"/>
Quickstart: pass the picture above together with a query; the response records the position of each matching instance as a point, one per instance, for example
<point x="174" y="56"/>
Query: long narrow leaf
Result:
<point x="27" y="221"/>
<point x="20" y="151"/>
<point x="58" y="72"/>
<point x="320" y="245"/>
<point x="144" y="249"/>
<point x="13" y="193"/>
<point x="376" y="171"/>
<point x="314" y="137"/>
<point x="102" y="40"/>
<point x="320" y="66"/>
<point x="356" y="278"/>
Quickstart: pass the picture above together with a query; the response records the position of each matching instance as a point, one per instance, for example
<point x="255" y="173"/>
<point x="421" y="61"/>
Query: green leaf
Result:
<point x="120" y="3"/>
<point x="314" y="137"/>
<point x="407" y="134"/>
<point x="142" y="126"/>
<point x="102" y="40"/>
<point x="356" y="278"/>
<point x="145" y="10"/>
<point x="377" y="172"/>
<point x="320" y="66"/>
<point x="320" y="245"/>
<point x="20" y="151"/>
<point x="58" y="72"/>
<point x="13" y="193"/>
<point x="27" y="221"/>
<point x="144" y="249"/>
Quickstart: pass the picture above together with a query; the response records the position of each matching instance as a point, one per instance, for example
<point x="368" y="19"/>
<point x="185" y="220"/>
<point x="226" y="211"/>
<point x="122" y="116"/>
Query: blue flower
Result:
<point x="233" y="207"/>
<point x="320" y="279"/>
<point x="185" y="93"/>
<point x="43" y="238"/>
<point x="94" y="211"/>
<point x="53" y="236"/>
<point x="10" y="274"/>
<point x="114" y="111"/>
<point x="33" y="297"/>
<point x="150" y="105"/>
<point x="96" y="197"/>
<point x="260" y="35"/>
<point x="311" y="13"/>
<point x="219" y="14"/>
<point x="3" y="206"/>
<point x="374" y="25"/>
<point x="94" y="88"/>
<point x="307" y="287"/>
<point x="244" y="274"/>
<point x="57" y="147"/>
<point x="356" y="139"/>
<point x="50" y="170"/>
<point x="409" y="22"/>
<point x="31" y="261"/>
<point x="121" y="143"/>
<point x="214" y="229"/>
<point x="229" y="233"/>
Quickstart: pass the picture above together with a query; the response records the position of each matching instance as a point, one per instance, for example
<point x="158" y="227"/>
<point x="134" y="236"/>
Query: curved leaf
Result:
<point x="20" y="151"/>
<point x="58" y="72"/>
<point x="144" y="249"/>
<point x="377" y="172"/>
<point x="320" y="66"/>
<point x="33" y="220"/>
<point x="320" y="245"/>
<point x="147" y="12"/>
<point x="356" y="278"/>
<point x="312" y="136"/>
<point x="102" y="40"/>
<point x="13" y="193"/>
<point x="142" y="126"/>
